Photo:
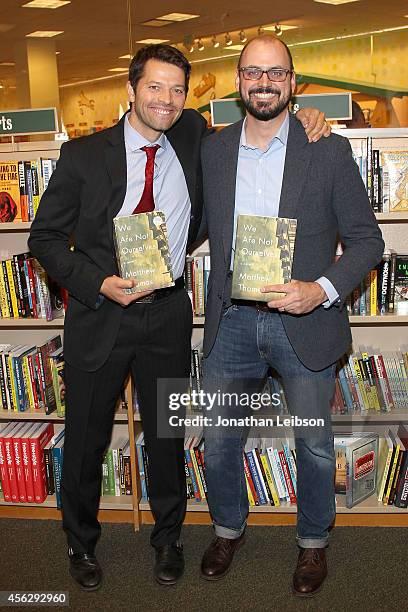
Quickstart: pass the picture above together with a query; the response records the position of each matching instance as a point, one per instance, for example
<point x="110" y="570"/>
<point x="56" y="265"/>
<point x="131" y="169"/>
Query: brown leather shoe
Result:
<point x="310" y="572"/>
<point x="218" y="557"/>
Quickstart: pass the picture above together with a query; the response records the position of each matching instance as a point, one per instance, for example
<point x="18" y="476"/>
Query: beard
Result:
<point x="265" y="110"/>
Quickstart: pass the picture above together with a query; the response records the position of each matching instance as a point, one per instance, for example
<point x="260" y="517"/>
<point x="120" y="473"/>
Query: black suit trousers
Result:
<point x="153" y="343"/>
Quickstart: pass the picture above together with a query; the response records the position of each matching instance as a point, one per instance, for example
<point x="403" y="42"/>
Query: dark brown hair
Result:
<point x="161" y="53"/>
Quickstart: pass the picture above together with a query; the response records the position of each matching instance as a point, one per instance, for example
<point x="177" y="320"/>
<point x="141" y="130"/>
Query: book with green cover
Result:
<point x="142" y="250"/>
<point x="263" y="256"/>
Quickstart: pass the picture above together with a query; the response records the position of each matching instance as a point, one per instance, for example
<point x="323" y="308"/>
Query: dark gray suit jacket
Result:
<point x="85" y="192"/>
<point x="323" y="190"/>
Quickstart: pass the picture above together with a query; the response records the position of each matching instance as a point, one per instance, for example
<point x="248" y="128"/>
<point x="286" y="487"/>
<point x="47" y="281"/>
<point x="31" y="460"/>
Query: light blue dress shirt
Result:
<point x="170" y="191"/>
<point x="259" y="185"/>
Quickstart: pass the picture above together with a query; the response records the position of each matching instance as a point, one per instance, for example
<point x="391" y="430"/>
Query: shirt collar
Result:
<point x="134" y="140"/>
<point x="282" y="134"/>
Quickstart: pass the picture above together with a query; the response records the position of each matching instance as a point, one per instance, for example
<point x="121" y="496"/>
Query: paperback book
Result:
<point x="263" y="256"/>
<point x="361" y="467"/>
<point x="142" y="250"/>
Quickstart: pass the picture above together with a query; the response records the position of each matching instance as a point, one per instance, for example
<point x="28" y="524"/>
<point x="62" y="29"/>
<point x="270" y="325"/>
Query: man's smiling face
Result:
<point x="158" y="99"/>
<point x="265" y="99"/>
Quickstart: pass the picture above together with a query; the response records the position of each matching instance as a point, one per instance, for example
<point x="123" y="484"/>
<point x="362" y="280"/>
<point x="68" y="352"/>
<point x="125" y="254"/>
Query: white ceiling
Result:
<point x="96" y="31"/>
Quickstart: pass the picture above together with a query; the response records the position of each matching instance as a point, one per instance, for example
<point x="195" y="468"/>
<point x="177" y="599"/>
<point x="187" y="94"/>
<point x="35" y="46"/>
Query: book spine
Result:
<point x="19" y="466"/>
<point x="28" y="475"/>
<point x="286" y="474"/>
<point x="11" y="468"/>
<point x="57" y="460"/>
<point x="49" y="471"/>
<point x="127" y="475"/>
<point x="4" y="474"/>
<point x="250" y="481"/>
<point x="256" y="478"/>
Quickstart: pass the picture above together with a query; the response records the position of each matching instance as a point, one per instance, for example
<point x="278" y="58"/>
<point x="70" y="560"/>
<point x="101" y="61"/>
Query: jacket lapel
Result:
<point x="297" y="160"/>
<point x="228" y="177"/>
<point x="115" y="157"/>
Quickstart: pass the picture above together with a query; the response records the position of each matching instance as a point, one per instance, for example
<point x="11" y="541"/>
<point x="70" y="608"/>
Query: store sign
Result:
<point x="28" y="121"/>
<point x="335" y="106"/>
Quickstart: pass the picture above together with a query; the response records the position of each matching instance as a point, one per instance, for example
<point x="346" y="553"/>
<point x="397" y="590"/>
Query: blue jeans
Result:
<point x="248" y="342"/>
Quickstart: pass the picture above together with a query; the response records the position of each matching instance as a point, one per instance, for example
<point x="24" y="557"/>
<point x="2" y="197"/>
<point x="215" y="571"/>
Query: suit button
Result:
<point x="192" y="217"/>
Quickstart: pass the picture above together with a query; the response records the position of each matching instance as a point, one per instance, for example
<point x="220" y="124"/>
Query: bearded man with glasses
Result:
<point x="264" y="166"/>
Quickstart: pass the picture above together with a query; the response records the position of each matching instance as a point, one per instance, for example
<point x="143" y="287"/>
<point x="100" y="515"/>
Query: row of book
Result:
<point x="365" y="466"/>
<point x="366" y="381"/>
<point x="26" y="290"/>
<point x="32" y="377"/>
<point x="22" y="184"/>
<point x="384" y="290"/>
<point x="31" y="458"/>
<point x="385" y="175"/>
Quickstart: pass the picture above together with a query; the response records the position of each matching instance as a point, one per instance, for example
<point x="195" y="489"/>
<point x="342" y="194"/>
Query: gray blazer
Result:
<point x="323" y="190"/>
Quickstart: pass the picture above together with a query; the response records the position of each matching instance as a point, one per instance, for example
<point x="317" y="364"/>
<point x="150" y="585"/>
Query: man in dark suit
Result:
<point x="151" y="157"/>
<point x="265" y="166"/>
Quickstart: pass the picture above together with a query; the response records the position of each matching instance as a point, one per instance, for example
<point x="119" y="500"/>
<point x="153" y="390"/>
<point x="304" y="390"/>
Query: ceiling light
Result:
<point x="44" y="34"/>
<point x="234" y="48"/>
<point x="277" y="30"/>
<point x="156" y="23"/>
<point x="242" y="36"/>
<point x="320" y="40"/>
<point x="178" y="17"/>
<point x="283" y="27"/>
<point x="200" y="45"/>
<point x="228" y="39"/>
<point x="46" y="4"/>
<point x="117" y="70"/>
<point x="335" y="2"/>
<point x="152" y="41"/>
<point x="57" y="52"/>
<point x="215" y="42"/>
<point x="128" y="56"/>
<point x="7" y="64"/>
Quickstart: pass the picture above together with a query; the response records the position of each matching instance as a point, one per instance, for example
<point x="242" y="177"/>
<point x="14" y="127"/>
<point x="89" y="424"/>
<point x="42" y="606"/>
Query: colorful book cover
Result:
<point x="142" y="250"/>
<point x="263" y="255"/>
<point x="401" y="285"/>
<point x="361" y="467"/>
<point x="396" y="165"/>
<point x="10" y="209"/>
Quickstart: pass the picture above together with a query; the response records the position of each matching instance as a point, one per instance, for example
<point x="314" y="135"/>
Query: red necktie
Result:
<point x="146" y="203"/>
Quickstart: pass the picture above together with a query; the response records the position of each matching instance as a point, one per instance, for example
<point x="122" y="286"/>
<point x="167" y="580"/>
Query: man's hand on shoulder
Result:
<point x="113" y="286"/>
<point x="314" y="122"/>
<point x="298" y="297"/>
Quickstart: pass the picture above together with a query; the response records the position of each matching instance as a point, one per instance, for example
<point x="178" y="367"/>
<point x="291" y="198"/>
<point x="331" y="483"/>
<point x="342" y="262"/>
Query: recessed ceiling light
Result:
<point x="7" y="64"/>
<point x="234" y="48"/>
<point x="46" y="4"/>
<point x="335" y="2"/>
<point x="44" y="34"/>
<point x="152" y="41"/>
<point x="128" y="56"/>
<point x="156" y="23"/>
<point x="271" y="28"/>
<point x="117" y="70"/>
<point x="178" y="17"/>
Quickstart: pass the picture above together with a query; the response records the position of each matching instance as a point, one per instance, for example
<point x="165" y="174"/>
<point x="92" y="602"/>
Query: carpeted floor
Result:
<point x="367" y="569"/>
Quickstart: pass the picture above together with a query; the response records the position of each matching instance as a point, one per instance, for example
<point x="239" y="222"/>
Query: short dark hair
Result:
<point x="161" y="53"/>
<point x="268" y="37"/>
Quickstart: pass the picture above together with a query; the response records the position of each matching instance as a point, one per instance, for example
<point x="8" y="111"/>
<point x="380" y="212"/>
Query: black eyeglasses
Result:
<point x="253" y="73"/>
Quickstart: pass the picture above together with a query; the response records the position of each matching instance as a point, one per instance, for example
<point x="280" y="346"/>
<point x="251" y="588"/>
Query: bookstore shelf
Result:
<point x="19" y="226"/>
<point x="369" y="505"/>
<point x="108" y="502"/>
<point x="6" y="415"/>
<point x="31" y="322"/>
